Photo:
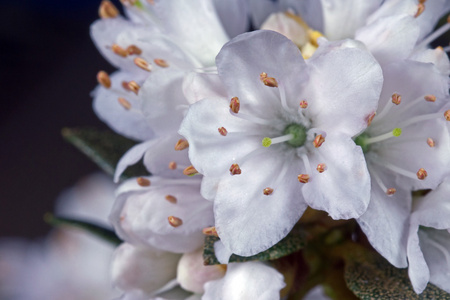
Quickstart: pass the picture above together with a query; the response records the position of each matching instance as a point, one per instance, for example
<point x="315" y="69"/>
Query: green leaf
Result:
<point x="95" y="229"/>
<point x="370" y="276"/>
<point x="293" y="242"/>
<point x="105" y="148"/>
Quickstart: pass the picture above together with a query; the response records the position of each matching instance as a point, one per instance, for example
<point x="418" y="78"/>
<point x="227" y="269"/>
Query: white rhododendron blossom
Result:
<point x="168" y="214"/>
<point x="284" y="140"/>
<point x="429" y="240"/>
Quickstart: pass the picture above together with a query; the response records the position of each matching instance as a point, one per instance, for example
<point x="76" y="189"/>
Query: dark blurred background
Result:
<point x="48" y="67"/>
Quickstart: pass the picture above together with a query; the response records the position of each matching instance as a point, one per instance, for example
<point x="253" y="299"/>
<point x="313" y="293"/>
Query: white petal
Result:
<point x="234" y="16"/>
<point x="343" y="189"/>
<point x="199" y="86"/>
<point x="200" y="128"/>
<point x="343" y="18"/>
<point x="310" y="11"/>
<point x="140" y="214"/>
<point x="162" y="152"/>
<point x="209" y="187"/>
<point x="222" y="253"/>
<point x="390" y="38"/>
<point x="192" y="274"/>
<point x="437" y="57"/>
<point x="144" y="269"/>
<point x="249" y="280"/>
<point x="243" y="59"/>
<point x="342" y="76"/>
<point x="316" y="293"/>
<point x="418" y="271"/>
<point x="386" y="221"/>
<point x="128" y="122"/>
<point x="131" y="157"/>
<point x="261" y="9"/>
<point x="161" y="97"/>
<point x="247" y="220"/>
<point x="195" y="26"/>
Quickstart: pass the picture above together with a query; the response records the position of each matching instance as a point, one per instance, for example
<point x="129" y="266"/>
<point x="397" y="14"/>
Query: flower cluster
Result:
<point x="334" y="106"/>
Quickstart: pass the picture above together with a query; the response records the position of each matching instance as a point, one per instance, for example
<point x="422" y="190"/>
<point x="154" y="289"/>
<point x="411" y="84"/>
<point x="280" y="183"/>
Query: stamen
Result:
<point x="394" y="133"/>
<point x="119" y="50"/>
<point x="174" y="221"/>
<point x="447" y="115"/>
<point x="267" y="142"/>
<point x="103" y="79"/>
<point x="306" y="163"/>
<point x="303" y="178"/>
<point x="370" y="118"/>
<point x="422" y="174"/>
<point x="124" y="102"/>
<point x="211" y="231"/>
<point x="268" y="81"/>
<point x="132" y="49"/>
<point x="133" y="86"/>
<point x="142" y="63"/>
<point x="420" y="10"/>
<point x="161" y="63"/>
<point x="321" y="168"/>
<point x="397" y="169"/>
<point x="440" y="31"/>
<point x="268" y="191"/>
<point x="190" y="171"/>
<point x="181" y="145"/>
<point x="235" y="169"/>
<point x="431" y="142"/>
<point x="107" y="10"/>
<point x="430" y="98"/>
<point x="425" y="118"/>
<point x="396" y="99"/>
<point x="143" y="181"/>
<point x="318" y="141"/>
<point x="223" y="131"/>
<point x="391" y="191"/>
<point x="171" y="199"/>
<point x="173" y="165"/>
<point x="235" y="105"/>
<point x="254" y="119"/>
<point x="303" y="104"/>
<point x="283" y="98"/>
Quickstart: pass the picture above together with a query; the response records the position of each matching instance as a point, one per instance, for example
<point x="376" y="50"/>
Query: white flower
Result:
<point x="167" y="214"/>
<point x="307" y="112"/>
<point x="429" y="240"/>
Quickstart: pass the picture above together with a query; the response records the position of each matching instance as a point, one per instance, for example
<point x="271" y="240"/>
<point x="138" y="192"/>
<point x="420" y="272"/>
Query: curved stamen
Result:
<point x="421" y="118"/>
<point x="440" y="31"/>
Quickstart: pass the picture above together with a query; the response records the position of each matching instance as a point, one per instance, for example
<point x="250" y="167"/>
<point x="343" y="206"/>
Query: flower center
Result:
<point x="298" y="133"/>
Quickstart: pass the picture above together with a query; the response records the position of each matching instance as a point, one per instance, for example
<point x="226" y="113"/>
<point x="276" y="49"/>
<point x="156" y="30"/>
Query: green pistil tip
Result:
<point x="266" y="142"/>
<point x="397" y="131"/>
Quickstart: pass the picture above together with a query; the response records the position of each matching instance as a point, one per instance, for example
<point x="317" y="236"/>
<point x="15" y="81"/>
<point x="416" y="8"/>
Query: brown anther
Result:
<point x="370" y="118"/>
<point x="134" y="50"/>
<point x="422" y="1"/>
<point x="420" y="9"/>
<point x="235" y="169"/>
<point x="190" y="171"/>
<point x="447" y="115"/>
<point x="431" y="142"/>
<point x="235" y="105"/>
<point x="318" y="141"/>
<point x="143" y="181"/>
<point x="142" y="63"/>
<point x="262" y="76"/>
<point x="396" y="99"/>
<point x="174" y="221"/>
<point x="268" y="191"/>
<point x="107" y="10"/>
<point x="303" y="178"/>
<point x="171" y="199"/>
<point x="161" y="62"/>
<point x="119" y="50"/>
<point x="303" y="104"/>
<point x="391" y="191"/>
<point x="211" y="231"/>
<point x="223" y="131"/>
<point x="181" y="145"/>
<point x="133" y="86"/>
<point x="152" y="2"/>
<point x="270" y="81"/>
<point x="122" y="218"/>
<point x="124" y="102"/>
<point x="172" y="165"/>
<point x="430" y="98"/>
<point x="321" y="168"/>
<point x="103" y="79"/>
<point x="422" y="174"/>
